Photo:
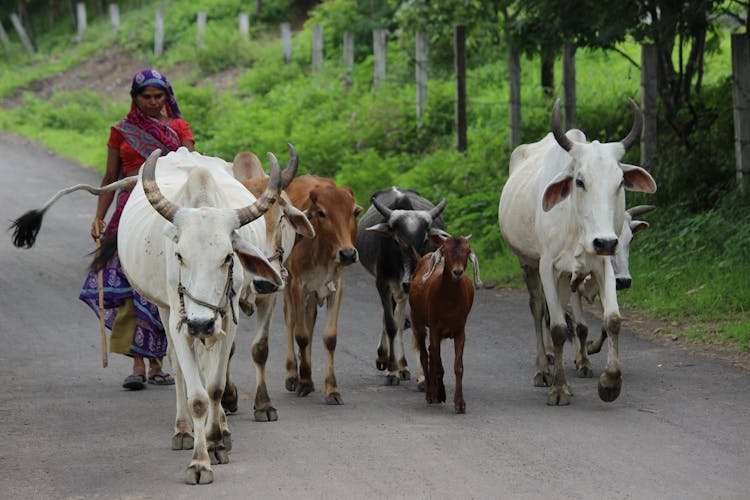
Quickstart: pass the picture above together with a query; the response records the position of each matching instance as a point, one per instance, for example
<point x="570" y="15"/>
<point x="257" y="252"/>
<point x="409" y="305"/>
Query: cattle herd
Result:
<point x="203" y="238"/>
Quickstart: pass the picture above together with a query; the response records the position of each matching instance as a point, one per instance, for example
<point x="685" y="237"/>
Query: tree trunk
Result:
<point x="548" y="76"/>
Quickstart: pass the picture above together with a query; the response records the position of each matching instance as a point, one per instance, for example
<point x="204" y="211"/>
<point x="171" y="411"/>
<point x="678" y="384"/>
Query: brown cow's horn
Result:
<point x="384" y="211"/>
<point x="640" y="209"/>
<point x="166" y="208"/>
<point x="635" y="133"/>
<point x="557" y="129"/>
<point x="291" y="168"/>
<point x="437" y="210"/>
<point x="251" y="212"/>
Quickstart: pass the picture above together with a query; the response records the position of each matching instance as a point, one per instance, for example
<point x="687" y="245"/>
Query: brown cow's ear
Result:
<point x="357" y="210"/>
<point x="299" y="221"/>
<point x="556" y="191"/>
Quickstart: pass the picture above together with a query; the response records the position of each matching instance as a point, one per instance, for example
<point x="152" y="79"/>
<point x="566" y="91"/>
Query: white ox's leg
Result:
<point x="610" y="381"/>
<point x="215" y="363"/>
<point x="263" y="409"/>
<point x="556" y="293"/>
<point x="199" y="471"/>
<point x="333" y="304"/>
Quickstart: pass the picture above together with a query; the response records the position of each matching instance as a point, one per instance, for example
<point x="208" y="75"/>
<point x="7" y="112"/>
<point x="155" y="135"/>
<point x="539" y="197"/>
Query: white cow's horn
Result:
<point x="557" y="129"/>
<point x="251" y="212"/>
<point x="635" y="133"/>
<point x="166" y="208"/>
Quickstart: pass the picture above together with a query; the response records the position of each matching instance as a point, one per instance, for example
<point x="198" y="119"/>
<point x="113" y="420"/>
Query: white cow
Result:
<point x="560" y="212"/>
<point x="183" y="239"/>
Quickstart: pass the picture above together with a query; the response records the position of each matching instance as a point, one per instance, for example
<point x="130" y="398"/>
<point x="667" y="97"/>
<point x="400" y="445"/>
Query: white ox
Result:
<point x="560" y="212"/>
<point x="183" y="239"/>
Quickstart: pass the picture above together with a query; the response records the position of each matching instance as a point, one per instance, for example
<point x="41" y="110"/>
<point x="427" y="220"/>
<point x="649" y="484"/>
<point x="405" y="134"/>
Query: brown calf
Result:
<point x="440" y="298"/>
<point x="315" y="269"/>
<point x="283" y="223"/>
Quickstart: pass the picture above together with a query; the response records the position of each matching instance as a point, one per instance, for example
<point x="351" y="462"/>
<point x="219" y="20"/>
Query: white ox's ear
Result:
<point x="298" y="220"/>
<point x="556" y="191"/>
<point x="381" y="228"/>
<point x="171" y="232"/>
<point x="637" y="179"/>
<point x="254" y="261"/>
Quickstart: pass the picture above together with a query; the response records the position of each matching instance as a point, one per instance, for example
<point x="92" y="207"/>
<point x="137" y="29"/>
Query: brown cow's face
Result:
<point x="333" y="213"/>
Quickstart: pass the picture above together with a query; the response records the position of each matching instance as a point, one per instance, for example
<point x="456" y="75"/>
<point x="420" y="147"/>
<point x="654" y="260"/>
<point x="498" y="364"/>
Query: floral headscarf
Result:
<point x="153" y="78"/>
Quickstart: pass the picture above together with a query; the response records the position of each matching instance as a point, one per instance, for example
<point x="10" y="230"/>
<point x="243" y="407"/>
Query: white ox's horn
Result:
<point x="251" y="212"/>
<point x="640" y="209"/>
<point x="632" y="138"/>
<point x="166" y="208"/>
<point x="557" y="129"/>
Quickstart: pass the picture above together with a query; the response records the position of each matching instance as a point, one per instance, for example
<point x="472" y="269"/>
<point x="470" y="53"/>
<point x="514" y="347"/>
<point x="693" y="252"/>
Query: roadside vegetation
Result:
<point x="690" y="267"/>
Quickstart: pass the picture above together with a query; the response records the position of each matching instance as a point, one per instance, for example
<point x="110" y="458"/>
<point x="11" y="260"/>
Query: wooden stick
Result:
<point x="100" y="285"/>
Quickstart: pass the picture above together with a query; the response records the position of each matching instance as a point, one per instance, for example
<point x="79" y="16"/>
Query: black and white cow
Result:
<point x="393" y="234"/>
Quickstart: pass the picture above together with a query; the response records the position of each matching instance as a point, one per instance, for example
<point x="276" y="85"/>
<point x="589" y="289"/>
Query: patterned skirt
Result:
<point x="148" y="337"/>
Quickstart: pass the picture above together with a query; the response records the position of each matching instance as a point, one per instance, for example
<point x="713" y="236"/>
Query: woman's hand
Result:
<point x="97" y="228"/>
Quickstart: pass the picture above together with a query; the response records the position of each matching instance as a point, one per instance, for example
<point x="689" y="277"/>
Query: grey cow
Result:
<point x="393" y="234"/>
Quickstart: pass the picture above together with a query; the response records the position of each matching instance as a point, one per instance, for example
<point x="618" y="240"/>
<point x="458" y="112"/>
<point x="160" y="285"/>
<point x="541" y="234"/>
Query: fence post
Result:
<point x="286" y="40"/>
<point x="159" y="33"/>
<point x="81" y="19"/>
<point x="380" y="51"/>
<point x="22" y="33"/>
<point x="348" y="51"/>
<point x="244" y="22"/>
<point x="459" y="51"/>
<point x="514" y="95"/>
<point x="200" y="29"/>
<point x="114" y="15"/>
<point x="421" y="72"/>
<point x="317" y="48"/>
<point x="741" y="104"/>
<point x="649" y="92"/>
<point x="569" y="85"/>
<point x="4" y="36"/>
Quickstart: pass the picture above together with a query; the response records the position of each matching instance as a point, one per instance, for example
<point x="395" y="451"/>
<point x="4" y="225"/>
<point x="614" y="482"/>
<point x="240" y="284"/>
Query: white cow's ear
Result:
<point x="171" y="232"/>
<point x="637" y="179"/>
<point x="381" y="228"/>
<point x="556" y="191"/>
<point x="638" y="225"/>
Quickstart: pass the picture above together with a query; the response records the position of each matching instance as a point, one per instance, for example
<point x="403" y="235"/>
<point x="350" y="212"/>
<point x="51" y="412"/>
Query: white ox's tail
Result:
<point x="27" y="226"/>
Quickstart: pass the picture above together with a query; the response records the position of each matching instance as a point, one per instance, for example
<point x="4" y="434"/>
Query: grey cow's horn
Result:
<point x="384" y="211"/>
<point x="634" y="135"/>
<point x="557" y="129"/>
<point x="640" y="209"/>
<point x="437" y="210"/>
<point x="251" y="212"/>
<point x="166" y="208"/>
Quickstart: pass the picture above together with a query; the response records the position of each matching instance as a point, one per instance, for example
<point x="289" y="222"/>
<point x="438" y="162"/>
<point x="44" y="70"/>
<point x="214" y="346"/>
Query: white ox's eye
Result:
<point x="179" y="257"/>
<point x="228" y="259"/>
<point x="580" y="184"/>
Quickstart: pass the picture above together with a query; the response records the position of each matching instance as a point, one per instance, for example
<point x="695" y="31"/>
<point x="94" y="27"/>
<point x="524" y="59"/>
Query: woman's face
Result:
<point x="151" y="100"/>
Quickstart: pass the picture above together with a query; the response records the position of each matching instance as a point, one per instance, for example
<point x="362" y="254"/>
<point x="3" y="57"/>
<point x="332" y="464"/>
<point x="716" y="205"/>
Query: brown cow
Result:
<point x="315" y="269"/>
<point x="440" y="298"/>
<point x="283" y="223"/>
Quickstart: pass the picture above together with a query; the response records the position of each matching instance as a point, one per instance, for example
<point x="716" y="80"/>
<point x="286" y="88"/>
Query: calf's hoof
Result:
<point x="559" y="396"/>
<point x="197" y="474"/>
<point x="585" y="371"/>
<point x="609" y="387"/>
<point x="266" y="414"/>
<point x="592" y="347"/>
<point x="229" y="399"/>
<point x="404" y="374"/>
<point x="392" y="380"/>
<point x="291" y="384"/>
<point x="460" y="407"/>
<point x="334" y="398"/>
<point x="303" y="389"/>
<point x="182" y="441"/>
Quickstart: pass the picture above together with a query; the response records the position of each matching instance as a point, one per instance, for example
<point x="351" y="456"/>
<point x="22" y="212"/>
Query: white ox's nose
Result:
<point x="605" y="246"/>
<point x="201" y="326"/>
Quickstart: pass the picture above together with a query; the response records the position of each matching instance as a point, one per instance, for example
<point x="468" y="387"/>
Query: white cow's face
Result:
<point x="596" y="183"/>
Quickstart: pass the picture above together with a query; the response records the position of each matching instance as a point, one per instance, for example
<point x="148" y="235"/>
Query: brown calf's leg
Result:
<point x="458" y="368"/>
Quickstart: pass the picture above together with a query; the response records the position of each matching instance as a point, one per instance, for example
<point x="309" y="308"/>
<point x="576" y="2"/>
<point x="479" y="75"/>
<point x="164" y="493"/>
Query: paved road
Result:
<point x="678" y="430"/>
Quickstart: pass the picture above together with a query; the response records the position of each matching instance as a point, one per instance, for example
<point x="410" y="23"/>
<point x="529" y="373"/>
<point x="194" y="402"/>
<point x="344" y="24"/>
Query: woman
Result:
<point x="154" y="121"/>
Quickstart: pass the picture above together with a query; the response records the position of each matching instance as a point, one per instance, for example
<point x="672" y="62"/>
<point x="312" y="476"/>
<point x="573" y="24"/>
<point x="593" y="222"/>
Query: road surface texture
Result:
<point x="678" y="430"/>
